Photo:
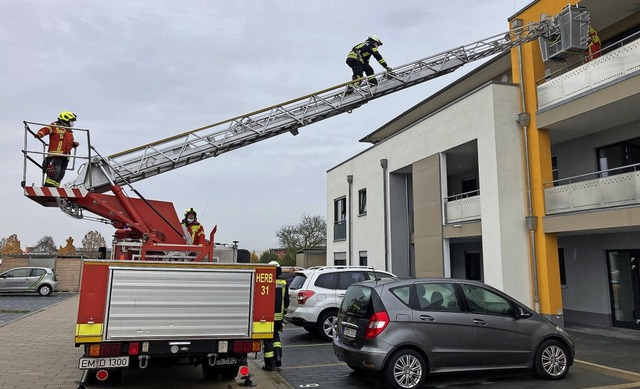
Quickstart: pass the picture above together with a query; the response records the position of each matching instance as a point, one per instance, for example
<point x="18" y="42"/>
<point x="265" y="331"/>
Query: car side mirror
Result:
<point x="520" y="313"/>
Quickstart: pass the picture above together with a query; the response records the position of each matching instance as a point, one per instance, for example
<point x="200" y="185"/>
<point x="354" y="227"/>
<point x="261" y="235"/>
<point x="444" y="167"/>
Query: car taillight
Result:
<point x="304" y="295"/>
<point x="105" y="350"/>
<point x="377" y="323"/>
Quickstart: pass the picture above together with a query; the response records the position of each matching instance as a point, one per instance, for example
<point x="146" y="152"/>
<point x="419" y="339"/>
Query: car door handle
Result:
<point x="480" y="322"/>
<point x="427" y="318"/>
<point x="340" y="294"/>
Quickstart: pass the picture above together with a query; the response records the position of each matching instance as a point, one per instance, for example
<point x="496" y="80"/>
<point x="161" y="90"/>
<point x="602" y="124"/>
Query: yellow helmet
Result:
<point x="67" y="116"/>
<point x="190" y="210"/>
<point x="376" y="39"/>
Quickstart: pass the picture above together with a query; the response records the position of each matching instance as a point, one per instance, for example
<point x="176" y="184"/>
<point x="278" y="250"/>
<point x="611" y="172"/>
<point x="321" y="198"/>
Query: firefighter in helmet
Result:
<point x="358" y="58"/>
<point x="593" y="45"/>
<point x="193" y="230"/>
<point x="273" y="347"/>
<point x="60" y="144"/>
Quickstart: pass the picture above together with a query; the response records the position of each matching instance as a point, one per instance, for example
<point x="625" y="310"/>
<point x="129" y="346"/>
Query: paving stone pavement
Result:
<point x="37" y="352"/>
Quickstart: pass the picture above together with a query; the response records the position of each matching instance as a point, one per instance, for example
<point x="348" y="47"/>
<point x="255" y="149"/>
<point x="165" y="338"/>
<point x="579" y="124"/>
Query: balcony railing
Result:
<point x="462" y="207"/>
<point x="612" y="66"/>
<point x="611" y="188"/>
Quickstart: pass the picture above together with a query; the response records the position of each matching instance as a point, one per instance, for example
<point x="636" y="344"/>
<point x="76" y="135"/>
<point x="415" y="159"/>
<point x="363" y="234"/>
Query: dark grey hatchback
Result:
<point x="410" y="328"/>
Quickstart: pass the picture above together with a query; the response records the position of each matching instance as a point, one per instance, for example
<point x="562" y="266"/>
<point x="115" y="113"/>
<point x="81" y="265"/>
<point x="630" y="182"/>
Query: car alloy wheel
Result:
<point x="327" y="328"/>
<point x="551" y="360"/>
<point x="406" y="369"/>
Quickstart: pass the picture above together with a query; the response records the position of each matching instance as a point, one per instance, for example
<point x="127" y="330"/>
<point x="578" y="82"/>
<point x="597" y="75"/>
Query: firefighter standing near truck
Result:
<point x="60" y="144"/>
<point x="273" y="347"/>
<point x="193" y="230"/>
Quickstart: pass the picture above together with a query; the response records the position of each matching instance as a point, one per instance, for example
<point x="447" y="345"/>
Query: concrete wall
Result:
<point x="487" y="116"/>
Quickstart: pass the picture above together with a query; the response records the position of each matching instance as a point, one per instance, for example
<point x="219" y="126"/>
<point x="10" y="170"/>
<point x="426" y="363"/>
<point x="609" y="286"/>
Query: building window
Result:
<point x="612" y="158"/>
<point x="340" y="259"/>
<point x="554" y="168"/>
<point x="340" y="218"/>
<point x="563" y="273"/>
<point x="363" y="258"/>
<point x="362" y="202"/>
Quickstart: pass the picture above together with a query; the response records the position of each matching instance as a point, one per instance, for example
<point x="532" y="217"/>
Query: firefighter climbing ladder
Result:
<point x="212" y="140"/>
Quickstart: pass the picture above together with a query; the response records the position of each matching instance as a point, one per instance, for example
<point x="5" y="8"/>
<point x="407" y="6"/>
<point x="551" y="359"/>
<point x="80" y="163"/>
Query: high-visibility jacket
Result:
<point x="282" y="299"/>
<point x="194" y="232"/>
<point x="60" y="139"/>
<point x="363" y="52"/>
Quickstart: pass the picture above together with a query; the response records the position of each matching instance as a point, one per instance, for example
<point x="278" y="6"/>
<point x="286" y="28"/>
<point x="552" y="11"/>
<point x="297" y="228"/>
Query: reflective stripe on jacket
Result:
<point x="363" y="52"/>
<point x="194" y="233"/>
<point x="282" y="299"/>
<point x="60" y="139"/>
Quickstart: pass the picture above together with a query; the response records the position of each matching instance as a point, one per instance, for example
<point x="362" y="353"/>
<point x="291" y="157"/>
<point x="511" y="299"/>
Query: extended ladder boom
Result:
<point x="212" y="140"/>
<point x="100" y="174"/>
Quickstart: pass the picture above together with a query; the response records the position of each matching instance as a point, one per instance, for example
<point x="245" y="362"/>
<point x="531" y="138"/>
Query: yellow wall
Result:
<point x="546" y="245"/>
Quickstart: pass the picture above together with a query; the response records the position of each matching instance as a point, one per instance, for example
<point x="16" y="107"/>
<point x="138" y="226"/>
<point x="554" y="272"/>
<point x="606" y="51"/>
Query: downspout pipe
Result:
<point x="384" y="164"/>
<point x="349" y="218"/>
<point x="524" y="120"/>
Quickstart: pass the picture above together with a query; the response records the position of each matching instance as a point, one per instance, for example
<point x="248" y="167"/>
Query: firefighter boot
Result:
<point x="277" y="349"/>
<point x="269" y="356"/>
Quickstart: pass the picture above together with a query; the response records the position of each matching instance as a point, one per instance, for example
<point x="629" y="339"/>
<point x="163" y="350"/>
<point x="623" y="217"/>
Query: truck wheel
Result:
<point x="210" y="372"/>
<point x="229" y="373"/>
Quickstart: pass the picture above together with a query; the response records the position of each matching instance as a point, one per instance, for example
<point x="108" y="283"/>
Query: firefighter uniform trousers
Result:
<point x="273" y="347"/>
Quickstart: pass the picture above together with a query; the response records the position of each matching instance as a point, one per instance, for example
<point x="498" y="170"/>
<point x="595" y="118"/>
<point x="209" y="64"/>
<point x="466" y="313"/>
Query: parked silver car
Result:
<point x="42" y="280"/>
<point x="315" y="295"/>
<point x="410" y="328"/>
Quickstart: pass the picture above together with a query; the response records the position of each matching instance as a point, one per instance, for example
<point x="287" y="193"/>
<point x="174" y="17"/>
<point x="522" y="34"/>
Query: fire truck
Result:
<point x="158" y="299"/>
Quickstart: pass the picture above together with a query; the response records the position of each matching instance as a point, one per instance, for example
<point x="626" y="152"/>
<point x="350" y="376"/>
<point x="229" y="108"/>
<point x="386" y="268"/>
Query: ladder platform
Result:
<point x="48" y="196"/>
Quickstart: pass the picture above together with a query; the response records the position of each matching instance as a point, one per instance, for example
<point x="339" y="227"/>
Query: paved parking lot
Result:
<point x="310" y="363"/>
<point x="16" y="305"/>
<point x="606" y="359"/>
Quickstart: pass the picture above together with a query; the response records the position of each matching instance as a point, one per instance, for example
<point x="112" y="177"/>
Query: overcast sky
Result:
<point x="138" y="71"/>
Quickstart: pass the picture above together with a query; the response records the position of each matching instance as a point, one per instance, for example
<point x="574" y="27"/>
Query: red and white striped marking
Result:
<point x="45" y="191"/>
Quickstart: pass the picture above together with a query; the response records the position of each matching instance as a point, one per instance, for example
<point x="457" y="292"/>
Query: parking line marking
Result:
<point x="611" y="371"/>
<point x="313" y="366"/>
<point x="620" y="386"/>
<point x="307" y="345"/>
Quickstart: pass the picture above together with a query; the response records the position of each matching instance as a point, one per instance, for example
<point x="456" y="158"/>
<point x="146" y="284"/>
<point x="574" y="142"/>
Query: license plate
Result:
<point x="103" y="363"/>
<point x="349" y="332"/>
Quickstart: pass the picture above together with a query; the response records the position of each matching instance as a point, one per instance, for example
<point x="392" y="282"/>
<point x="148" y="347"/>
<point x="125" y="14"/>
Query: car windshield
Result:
<point x="357" y="301"/>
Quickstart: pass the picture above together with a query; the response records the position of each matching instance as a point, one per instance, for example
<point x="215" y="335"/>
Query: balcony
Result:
<point x="612" y="67"/>
<point x="612" y="188"/>
<point x="463" y="207"/>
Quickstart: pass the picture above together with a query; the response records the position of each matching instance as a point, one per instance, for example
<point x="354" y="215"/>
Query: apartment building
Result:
<point x="522" y="174"/>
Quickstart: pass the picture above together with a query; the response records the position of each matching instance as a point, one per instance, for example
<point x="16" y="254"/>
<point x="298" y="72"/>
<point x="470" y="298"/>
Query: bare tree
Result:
<point x="47" y="245"/>
<point x="310" y="232"/>
<point x="92" y="241"/>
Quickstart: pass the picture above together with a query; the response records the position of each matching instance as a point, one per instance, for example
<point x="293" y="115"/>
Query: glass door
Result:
<point x="624" y="284"/>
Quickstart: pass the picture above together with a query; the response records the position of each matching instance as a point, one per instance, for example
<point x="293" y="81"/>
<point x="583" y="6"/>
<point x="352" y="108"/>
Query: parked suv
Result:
<point x="410" y="328"/>
<point x="315" y="295"/>
<point x="29" y="279"/>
